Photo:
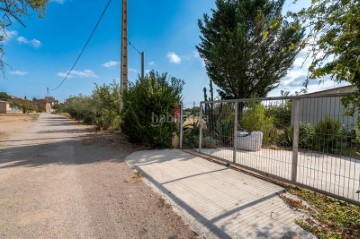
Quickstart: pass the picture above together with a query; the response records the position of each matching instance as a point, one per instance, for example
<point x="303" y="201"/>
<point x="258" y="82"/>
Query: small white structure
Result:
<point x="4" y="107"/>
<point x="249" y="141"/>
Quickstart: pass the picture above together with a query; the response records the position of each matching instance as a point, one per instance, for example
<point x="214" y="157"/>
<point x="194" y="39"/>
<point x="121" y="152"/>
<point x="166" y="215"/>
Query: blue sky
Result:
<point x="39" y="55"/>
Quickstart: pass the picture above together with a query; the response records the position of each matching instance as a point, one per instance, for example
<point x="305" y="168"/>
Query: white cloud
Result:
<point x="151" y="63"/>
<point x="18" y="73"/>
<point x="299" y="62"/>
<point x="174" y="58"/>
<point x="133" y="70"/>
<point x="8" y="35"/>
<point x="22" y="40"/>
<point x="78" y="74"/>
<point x="110" y="64"/>
<point x="34" y="42"/>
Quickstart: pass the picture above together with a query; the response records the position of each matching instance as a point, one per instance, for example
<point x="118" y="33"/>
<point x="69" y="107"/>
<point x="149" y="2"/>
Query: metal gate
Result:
<point x="308" y="140"/>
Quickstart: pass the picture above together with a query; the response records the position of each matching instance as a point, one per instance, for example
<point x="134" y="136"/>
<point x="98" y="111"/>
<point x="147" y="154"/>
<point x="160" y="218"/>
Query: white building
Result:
<point x="313" y="110"/>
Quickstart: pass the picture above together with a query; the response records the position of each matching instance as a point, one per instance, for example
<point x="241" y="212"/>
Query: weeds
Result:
<point x="34" y="117"/>
<point x="328" y="218"/>
<point x="135" y="178"/>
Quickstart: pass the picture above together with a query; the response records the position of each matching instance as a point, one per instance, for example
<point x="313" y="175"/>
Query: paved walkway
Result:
<point x="339" y="175"/>
<point x="218" y="201"/>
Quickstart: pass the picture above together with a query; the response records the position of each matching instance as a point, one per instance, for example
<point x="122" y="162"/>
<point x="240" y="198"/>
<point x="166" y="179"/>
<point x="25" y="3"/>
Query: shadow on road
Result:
<point x="70" y="150"/>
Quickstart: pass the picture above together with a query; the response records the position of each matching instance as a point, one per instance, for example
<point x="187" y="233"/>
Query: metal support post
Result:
<point x="235" y="130"/>
<point x="181" y="126"/>
<point x="294" y="167"/>
<point x="201" y="127"/>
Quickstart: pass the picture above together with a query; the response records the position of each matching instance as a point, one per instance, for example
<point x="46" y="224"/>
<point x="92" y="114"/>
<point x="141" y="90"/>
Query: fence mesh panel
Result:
<point x="310" y="140"/>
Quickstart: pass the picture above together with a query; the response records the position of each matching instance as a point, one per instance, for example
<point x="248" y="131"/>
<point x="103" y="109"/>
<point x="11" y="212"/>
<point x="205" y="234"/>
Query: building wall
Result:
<point x="3" y="107"/>
<point x="313" y="110"/>
<point x="8" y="107"/>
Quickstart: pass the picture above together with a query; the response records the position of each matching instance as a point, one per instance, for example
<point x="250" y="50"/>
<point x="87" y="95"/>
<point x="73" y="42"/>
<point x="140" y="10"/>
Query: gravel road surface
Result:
<point x="57" y="180"/>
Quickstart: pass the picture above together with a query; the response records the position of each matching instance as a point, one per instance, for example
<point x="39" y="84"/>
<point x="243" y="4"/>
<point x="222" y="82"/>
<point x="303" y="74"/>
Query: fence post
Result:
<point x="201" y="126"/>
<point x="295" y="109"/>
<point x="235" y="130"/>
<point x="181" y="125"/>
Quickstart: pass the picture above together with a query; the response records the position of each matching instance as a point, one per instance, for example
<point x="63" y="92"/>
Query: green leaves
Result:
<point x="334" y="25"/>
<point x="248" y="46"/>
<point x="148" y="109"/>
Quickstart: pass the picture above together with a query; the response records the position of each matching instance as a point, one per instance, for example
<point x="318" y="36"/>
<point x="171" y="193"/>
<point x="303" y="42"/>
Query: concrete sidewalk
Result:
<point x="219" y="202"/>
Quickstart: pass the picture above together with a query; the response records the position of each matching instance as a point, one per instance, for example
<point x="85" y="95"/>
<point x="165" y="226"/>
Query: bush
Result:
<point x="280" y="113"/>
<point x="208" y="142"/>
<point x="101" y="108"/>
<point x="191" y="136"/>
<point x="80" y="108"/>
<point x="106" y="105"/>
<point x="148" y="109"/>
<point x="306" y="136"/>
<point x="254" y="119"/>
<point x="328" y="136"/>
<point x="22" y="104"/>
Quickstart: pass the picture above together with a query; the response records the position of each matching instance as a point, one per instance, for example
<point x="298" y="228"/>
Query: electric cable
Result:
<point x="85" y="46"/>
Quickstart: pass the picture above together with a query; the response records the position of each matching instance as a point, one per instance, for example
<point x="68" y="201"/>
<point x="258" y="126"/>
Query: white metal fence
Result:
<point x="307" y="140"/>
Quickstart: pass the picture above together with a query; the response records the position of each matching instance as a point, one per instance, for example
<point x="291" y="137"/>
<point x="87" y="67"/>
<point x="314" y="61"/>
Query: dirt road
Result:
<point x="16" y="122"/>
<point x="56" y="182"/>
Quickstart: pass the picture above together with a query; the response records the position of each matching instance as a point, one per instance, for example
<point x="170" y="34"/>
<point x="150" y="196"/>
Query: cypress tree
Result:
<point x="248" y="46"/>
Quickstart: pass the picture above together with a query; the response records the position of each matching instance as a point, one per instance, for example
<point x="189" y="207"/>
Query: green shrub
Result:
<point x="306" y="136"/>
<point x="106" y="105"/>
<point x="191" y="136"/>
<point x="209" y="142"/>
<point x="148" y="107"/>
<point x="280" y="113"/>
<point x="255" y="119"/>
<point x="328" y="136"/>
<point x="80" y="108"/>
<point x="101" y="108"/>
<point x="224" y="131"/>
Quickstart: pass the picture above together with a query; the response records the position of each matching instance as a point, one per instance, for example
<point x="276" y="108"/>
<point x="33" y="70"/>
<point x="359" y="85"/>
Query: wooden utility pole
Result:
<point x="124" y="51"/>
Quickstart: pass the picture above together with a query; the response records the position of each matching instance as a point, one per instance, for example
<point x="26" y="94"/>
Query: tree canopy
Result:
<point x="334" y="41"/>
<point x="4" y="96"/>
<point x="248" y="46"/>
<point x="24" y="105"/>
<point x="16" y="9"/>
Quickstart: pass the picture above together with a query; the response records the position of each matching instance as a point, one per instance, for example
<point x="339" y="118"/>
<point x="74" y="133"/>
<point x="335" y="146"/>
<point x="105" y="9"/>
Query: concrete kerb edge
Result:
<point x="263" y="176"/>
<point x="189" y="220"/>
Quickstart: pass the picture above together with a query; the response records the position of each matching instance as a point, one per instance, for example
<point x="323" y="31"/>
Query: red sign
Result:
<point x="177" y="112"/>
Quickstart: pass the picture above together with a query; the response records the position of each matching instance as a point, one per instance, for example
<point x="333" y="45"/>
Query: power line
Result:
<point x="134" y="48"/>
<point x="86" y="44"/>
<point x="142" y="55"/>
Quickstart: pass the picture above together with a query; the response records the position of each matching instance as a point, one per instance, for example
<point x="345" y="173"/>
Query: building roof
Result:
<point x="348" y="88"/>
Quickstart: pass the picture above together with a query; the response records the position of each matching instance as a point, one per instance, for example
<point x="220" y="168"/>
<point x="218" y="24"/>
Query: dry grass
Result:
<point x="135" y="178"/>
<point x="294" y="203"/>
